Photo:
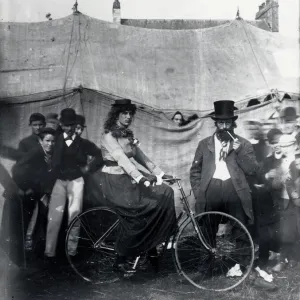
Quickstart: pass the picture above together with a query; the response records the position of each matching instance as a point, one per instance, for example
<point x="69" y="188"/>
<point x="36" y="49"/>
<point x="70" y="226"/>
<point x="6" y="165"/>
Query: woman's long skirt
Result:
<point x="147" y="214"/>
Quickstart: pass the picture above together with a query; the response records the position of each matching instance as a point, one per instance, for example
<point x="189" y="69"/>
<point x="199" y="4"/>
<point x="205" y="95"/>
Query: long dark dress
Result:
<point x="147" y="214"/>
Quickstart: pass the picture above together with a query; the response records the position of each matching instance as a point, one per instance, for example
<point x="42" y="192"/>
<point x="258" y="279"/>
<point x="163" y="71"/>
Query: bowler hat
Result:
<point x="122" y="102"/>
<point x="68" y="116"/>
<point x="80" y="120"/>
<point x="289" y="114"/>
<point x="224" y="109"/>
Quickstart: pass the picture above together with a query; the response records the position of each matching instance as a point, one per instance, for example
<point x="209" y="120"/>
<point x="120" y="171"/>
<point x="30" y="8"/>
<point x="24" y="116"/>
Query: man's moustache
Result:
<point x="223" y="135"/>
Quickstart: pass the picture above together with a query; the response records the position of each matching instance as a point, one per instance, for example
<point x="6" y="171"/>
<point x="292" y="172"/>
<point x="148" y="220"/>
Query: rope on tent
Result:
<point x="256" y="59"/>
<point x="67" y="66"/>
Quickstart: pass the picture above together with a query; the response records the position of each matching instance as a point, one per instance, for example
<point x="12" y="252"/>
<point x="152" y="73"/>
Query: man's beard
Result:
<point x="222" y="134"/>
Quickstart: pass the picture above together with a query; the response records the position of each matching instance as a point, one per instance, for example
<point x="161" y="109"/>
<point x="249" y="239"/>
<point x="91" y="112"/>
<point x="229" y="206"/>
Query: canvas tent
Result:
<point x="86" y="63"/>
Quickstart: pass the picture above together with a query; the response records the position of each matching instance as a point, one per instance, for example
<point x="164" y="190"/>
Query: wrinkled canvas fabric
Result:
<point x="172" y="148"/>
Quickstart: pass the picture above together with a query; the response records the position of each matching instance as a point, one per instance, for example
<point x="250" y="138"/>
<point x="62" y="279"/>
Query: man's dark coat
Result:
<point x="240" y="163"/>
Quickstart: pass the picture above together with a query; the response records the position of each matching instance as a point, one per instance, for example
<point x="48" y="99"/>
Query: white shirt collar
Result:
<point x="72" y="137"/>
<point x="254" y="141"/>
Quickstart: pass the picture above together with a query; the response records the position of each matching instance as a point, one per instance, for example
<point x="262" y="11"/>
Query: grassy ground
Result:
<point x="166" y="285"/>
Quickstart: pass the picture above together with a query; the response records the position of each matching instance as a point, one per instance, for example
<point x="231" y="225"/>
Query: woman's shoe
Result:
<point x="122" y="266"/>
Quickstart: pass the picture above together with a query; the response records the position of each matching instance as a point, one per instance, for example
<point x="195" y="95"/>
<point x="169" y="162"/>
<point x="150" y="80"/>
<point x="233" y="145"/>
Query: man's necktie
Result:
<point x="223" y="152"/>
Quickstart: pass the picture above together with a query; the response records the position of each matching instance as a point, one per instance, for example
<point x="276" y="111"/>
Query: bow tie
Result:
<point x="68" y="138"/>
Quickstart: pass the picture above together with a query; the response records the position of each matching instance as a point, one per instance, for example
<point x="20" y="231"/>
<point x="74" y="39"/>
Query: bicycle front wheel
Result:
<point x="217" y="258"/>
<point x="90" y="245"/>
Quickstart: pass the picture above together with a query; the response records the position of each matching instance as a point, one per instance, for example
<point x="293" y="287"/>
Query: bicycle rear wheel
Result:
<point x="230" y="249"/>
<point x="95" y="250"/>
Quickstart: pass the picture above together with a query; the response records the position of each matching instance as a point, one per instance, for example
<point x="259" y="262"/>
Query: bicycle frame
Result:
<point x="190" y="214"/>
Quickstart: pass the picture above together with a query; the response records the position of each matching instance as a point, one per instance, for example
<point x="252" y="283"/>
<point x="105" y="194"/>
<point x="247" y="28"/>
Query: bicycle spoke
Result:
<point x="93" y="263"/>
<point x="208" y="270"/>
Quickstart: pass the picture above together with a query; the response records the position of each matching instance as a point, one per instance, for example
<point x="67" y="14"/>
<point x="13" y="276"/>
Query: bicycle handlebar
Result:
<point x="172" y="179"/>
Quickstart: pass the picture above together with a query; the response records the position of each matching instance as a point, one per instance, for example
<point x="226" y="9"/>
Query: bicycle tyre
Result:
<point x="190" y="252"/>
<point x="94" y="261"/>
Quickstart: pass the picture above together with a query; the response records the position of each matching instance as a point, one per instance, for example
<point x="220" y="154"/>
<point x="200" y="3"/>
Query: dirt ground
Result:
<point x="145" y="285"/>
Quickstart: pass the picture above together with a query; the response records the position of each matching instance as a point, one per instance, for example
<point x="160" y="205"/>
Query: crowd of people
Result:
<point x="256" y="180"/>
<point x="52" y="167"/>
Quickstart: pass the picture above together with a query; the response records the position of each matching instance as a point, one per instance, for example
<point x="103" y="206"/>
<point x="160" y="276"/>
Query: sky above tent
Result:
<point x="35" y="10"/>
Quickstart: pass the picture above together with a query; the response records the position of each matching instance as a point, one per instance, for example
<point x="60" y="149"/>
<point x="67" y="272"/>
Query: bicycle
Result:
<point x="202" y="254"/>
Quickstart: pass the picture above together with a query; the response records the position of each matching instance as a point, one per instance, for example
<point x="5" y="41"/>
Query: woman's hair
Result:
<point x="114" y="112"/>
<point x="45" y="131"/>
<point x="178" y="113"/>
<point x="183" y="121"/>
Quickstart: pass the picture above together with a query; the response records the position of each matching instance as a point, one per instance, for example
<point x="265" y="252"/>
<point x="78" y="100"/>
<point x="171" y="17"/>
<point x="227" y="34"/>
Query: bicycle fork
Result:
<point x="191" y="214"/>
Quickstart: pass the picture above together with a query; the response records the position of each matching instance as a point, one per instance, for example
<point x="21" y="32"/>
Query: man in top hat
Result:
<point x="70" y="164"/>
<point x="221" y="164"/>
<point x="288" y="119"/>
<point x="36" y="122"/>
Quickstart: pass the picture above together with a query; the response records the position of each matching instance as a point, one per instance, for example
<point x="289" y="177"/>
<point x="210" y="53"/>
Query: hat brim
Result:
<point x="224" y="118"/>
<point x="68" y="123"/>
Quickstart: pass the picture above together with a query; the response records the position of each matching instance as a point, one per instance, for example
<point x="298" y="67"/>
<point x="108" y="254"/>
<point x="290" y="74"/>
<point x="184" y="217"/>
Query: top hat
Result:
<point x="80" y="120"/>
<point x="68" y="116"/>
<point x="122" y="102"/>
<point x="289" y="114"/>
<point x="224" y="109"/>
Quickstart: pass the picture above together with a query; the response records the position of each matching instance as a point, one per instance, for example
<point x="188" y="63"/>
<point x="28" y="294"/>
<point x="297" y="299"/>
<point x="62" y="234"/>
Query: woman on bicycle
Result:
<point x="144" y="204"/>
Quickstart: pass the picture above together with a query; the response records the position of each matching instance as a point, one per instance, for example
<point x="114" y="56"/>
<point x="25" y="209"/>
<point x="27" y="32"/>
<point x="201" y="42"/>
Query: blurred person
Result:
<point x="267" y="215"/>
<point x="267" y="126"/>
<point x="178" y="119"/>
<point x="287" y="226"/>
<point x="255" y="137"/>
<point x="36" y="122"/>
<point x="52" y="121"/>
